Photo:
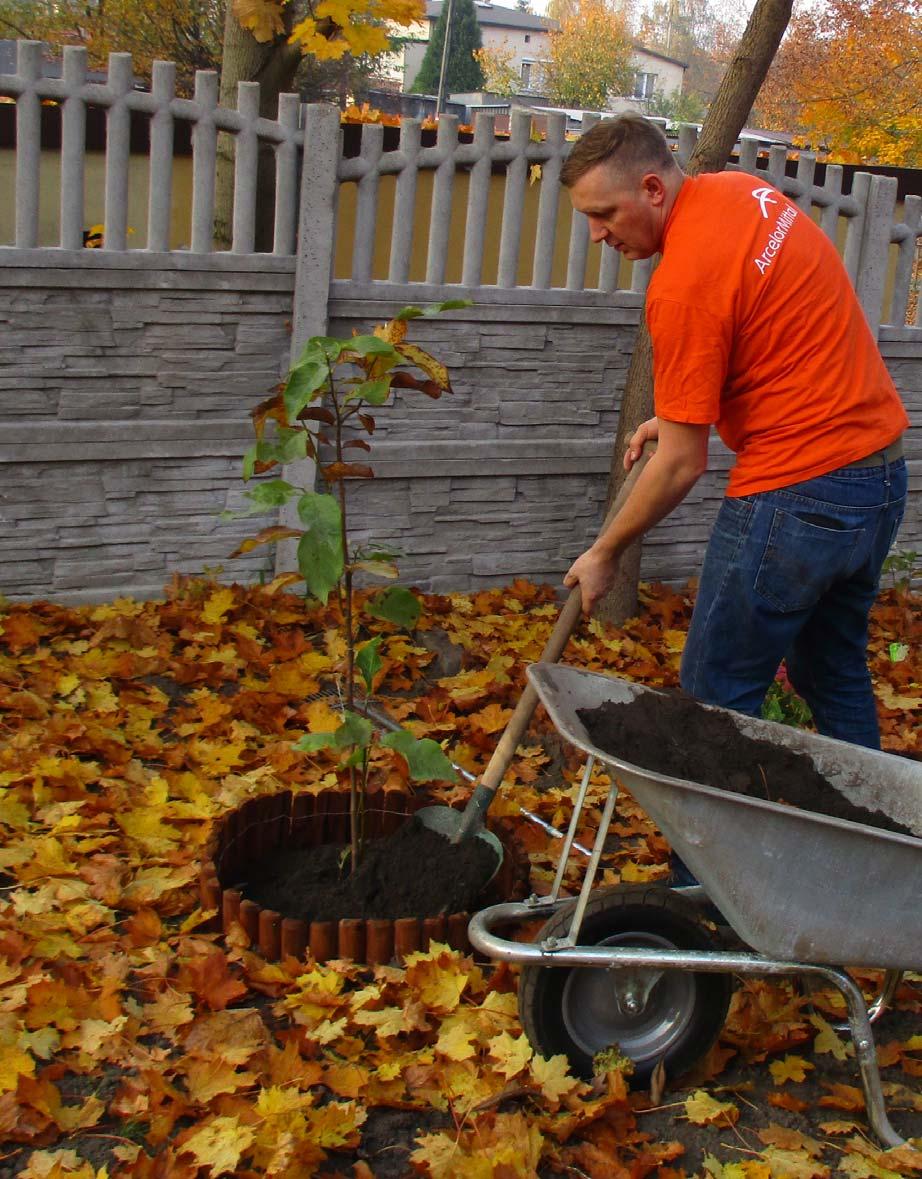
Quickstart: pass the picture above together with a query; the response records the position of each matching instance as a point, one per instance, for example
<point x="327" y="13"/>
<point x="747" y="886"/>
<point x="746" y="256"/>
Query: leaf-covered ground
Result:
<point x="136" y="1042"/>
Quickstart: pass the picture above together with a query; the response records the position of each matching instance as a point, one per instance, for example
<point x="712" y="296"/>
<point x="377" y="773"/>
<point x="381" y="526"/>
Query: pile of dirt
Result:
<point x="674" y="735"/>
<point x="416" y="872"/>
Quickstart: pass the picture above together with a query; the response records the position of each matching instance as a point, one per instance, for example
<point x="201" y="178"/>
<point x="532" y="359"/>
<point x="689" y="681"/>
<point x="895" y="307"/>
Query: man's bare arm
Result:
<point x="679" y="462"/>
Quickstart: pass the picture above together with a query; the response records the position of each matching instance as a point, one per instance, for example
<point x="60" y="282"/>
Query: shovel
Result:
<point x="470" y="822"/>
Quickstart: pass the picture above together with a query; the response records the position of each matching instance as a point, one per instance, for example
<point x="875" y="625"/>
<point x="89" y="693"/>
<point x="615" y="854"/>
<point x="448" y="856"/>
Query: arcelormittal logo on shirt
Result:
<point x="783" y="223"/>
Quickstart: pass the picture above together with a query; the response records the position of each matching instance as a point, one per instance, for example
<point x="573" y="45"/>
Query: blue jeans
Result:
<point x="793" y="574"/>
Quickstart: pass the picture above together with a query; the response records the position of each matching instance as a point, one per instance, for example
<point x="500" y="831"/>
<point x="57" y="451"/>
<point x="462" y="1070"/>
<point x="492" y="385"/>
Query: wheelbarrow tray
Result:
<point x="793" y="884"/>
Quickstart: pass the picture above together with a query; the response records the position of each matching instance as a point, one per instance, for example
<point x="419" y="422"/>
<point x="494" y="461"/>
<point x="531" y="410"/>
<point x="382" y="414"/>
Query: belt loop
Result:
<point x="886" y="473"/>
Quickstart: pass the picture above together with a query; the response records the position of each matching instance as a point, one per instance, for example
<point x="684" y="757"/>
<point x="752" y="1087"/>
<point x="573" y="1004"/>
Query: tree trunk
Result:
<point x="722" y="124"/>
<point x="273" y="65"/>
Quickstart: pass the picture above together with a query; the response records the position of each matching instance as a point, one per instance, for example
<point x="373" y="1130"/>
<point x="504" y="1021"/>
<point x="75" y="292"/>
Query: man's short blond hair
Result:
<point x="630" y="143"/>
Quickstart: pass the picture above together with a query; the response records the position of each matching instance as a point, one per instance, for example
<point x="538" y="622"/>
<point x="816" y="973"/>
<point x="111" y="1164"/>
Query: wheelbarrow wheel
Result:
<point x="670" y="1015"/>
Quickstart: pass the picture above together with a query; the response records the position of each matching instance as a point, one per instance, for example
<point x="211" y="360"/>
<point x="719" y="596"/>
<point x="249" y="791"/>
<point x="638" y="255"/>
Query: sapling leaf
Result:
<point x="305" y="381"/>
<point x="369" y="346"/>
<point x="429" y="365"/>
<point x="371" y="392"/>
<point x="334" y="471"/>
<point x="322" y="348"/>
<point x="317" y="413"/>
<point x="425" y="758"/>
<point x="368" y="422"/>
<point x="395" y="604"/>
<point x="320" y="550"/>
<point x="267" y="536"/>
<point x="368" y="661"/>
<point x="356" y="444"/>
<point x="272" y="409"/>
<point x="377" y="568"/>
<point x="434" y="309"/>
<point x="271" y="493"/>
<point x="405" y="380"/>
<point x="311" y="742"/>
<point x="354" y="731"/>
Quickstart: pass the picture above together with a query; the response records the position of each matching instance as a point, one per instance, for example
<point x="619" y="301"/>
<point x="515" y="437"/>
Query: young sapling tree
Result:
<point x="325" y="405"/>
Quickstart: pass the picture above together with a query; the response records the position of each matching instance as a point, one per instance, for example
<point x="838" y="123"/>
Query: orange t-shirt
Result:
<point x="756" y="328"/>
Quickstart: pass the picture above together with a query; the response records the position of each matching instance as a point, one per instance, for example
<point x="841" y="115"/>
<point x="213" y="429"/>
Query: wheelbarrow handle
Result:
<point x="479" y="802"/>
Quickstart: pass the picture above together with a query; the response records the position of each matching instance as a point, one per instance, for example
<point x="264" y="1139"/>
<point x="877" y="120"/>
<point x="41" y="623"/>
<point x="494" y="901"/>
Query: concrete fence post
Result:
<point x="73" y="148"/>
<point x="875" y="247"/>
<point x="118" y="149"/>
<point x="28" y="142"/>
<point x="313" y="271"/>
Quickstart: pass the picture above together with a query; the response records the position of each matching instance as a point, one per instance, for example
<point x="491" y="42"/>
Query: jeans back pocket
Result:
<point x="802" y="559"/>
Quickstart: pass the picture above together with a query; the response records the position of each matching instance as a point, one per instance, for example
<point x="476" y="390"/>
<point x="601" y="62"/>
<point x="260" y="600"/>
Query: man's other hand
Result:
<point x="595" y="573"/>
<point x="647" y="431"/>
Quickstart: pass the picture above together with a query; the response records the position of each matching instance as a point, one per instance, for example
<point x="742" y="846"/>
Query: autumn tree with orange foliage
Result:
<point x="848" y="78"/>
<point x="187" y="32"/>
<point x="590" y="56"/>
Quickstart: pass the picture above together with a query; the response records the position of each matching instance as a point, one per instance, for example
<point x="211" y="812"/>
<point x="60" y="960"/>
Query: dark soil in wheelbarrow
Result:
<point x="416" y="872"/>
<point x="672" y="734"/>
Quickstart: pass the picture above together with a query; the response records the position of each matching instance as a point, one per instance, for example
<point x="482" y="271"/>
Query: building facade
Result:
<point x="523" y="38"/>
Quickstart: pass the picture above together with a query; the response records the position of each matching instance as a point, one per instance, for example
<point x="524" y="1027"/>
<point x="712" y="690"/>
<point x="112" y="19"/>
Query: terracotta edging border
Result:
<point x="268" y="823"/>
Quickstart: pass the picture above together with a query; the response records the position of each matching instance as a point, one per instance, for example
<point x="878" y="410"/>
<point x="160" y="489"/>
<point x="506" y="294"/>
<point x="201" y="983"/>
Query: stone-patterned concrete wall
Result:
<point x="126" y="394"/>
<point x="125" y="397"/>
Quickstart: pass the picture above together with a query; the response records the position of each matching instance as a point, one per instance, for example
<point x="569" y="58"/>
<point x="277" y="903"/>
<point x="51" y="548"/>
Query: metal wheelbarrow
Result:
<point x="640" y="967"/>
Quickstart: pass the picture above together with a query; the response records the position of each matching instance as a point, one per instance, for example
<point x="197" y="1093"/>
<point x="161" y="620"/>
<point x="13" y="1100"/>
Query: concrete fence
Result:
<point x="126" y="374"/>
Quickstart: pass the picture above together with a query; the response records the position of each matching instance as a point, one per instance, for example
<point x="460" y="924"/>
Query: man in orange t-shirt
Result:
<point x="757" y="331"/>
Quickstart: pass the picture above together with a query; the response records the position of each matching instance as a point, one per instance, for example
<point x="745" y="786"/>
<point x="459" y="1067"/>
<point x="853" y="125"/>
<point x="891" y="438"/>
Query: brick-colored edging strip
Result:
<point x="275" y="822"/>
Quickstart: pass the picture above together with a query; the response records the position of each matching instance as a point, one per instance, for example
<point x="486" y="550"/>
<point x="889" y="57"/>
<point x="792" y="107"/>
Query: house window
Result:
<point x="527" y="38"/>
<point x="644" y="85"/>
<point x="526" y="74"/>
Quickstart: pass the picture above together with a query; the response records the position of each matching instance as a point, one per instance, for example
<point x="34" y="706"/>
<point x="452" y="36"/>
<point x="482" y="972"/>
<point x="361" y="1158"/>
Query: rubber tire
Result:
<point x="672" y="922"/>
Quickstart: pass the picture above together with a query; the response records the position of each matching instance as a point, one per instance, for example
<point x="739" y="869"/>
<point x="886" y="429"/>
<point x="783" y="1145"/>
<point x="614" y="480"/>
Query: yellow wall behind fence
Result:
<point x="181" y="214"/>
<point x="455" y="260"/>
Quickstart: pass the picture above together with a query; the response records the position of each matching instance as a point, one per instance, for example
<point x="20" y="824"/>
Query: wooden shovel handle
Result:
<point x="504" y="752"/>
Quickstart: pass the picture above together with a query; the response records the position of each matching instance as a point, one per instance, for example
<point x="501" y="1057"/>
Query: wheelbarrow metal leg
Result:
<point x="859" y="1024"/>
<point x="571" y="832"/>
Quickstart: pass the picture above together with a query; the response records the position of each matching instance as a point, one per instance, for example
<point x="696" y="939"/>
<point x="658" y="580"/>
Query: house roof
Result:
<point x="656" y="53"/>
<point x="498" y="15"/>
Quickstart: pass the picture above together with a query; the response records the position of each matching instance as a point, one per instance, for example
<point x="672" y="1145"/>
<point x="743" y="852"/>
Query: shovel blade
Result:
<point x="448" y="823"/>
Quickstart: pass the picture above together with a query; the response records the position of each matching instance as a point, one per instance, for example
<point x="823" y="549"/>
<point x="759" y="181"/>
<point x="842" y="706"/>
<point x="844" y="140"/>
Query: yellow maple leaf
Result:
<point x="791" y="1068"/>
<point x="60" y="1164"/>
<point x="438" y="976"/>
<point x="512" y="1052"/>
<point x="828" y="1039"/>
<point x="455" y="1040"/>
<point x="150" y="884"/>
<point x="205" y="1079"/>
<point x="794" y="1164"/>
<point x="705" y="1110"/>
<point x="322" y="717"/>
<point x="279" y="1100"/>
<point x="387" y="1023"/>
<point x="632" y="873"/>
<point x="346" y="1080"/>
<point x="715" y="1169"/>
<point x="94" y="1035"/>
<point x="336" y="1124"/>
<point x="221" y="600"/>
<point x="233" y="1036"/>
<point x="14" y="1063"/>
<point x="168" y="1012"/>
<point x="218" y="1144"/>
<point x="491" y="719"/>
<point x="552" y="1074"/>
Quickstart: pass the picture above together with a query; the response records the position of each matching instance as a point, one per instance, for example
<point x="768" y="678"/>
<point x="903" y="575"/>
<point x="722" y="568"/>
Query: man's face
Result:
<point x="627" y="215"/>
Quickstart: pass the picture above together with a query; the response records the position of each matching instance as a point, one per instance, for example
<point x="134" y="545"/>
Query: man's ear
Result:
<point x="653" y="188"/>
